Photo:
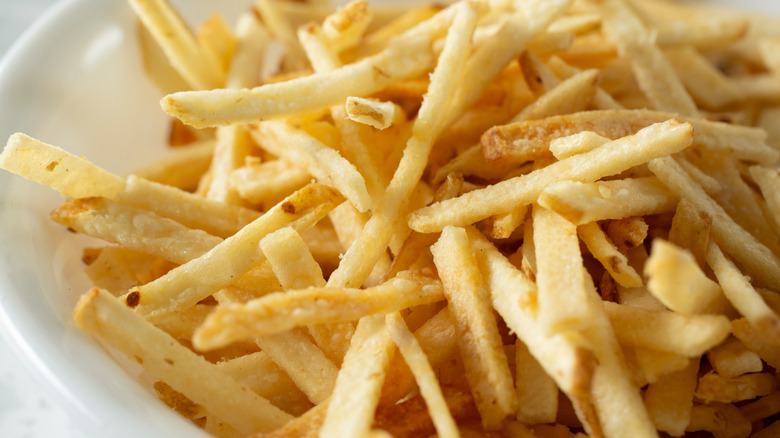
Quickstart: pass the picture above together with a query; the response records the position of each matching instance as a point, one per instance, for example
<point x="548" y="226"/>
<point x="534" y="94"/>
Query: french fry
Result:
<point x="377" y="114"/>
<point x="268" y="182"/>
<point x="191" y="61"/>
<point x="583" y="203"/>
<point x="677" y="281"/>
<point x="277" y="312"/>
<point x="183" y="168"/>
<point x="657" y="140"/>
<point x="743" y="296"/>
<point x="486" y="364"/>
<point x="362" y="372"/>
<point x="134" y="228"/>
<point x="687" y="335"/>
<point x="537" y="393"/>
<point x="165" y="294"/>
<point x="167" y="359"/>
<point x="429" y="388"/>
<point x="406" y="59"/>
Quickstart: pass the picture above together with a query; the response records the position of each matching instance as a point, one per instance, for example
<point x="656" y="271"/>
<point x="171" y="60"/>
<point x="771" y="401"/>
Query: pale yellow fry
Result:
<point x="406" y="59"/>
<point x="559" y="274"/>
<point x="722" y="419"/>
<point x="135" y="229"/>
<point x="217" y="218"/>
<point x="285" y="245"/>
<point x="614" y="157"/>
<point x="706" y="83"/>
<point x="424" y="375"/>
<point x="669" y="401"/>
<point x="487" y="369"/>
<point x="196" y="280"/>
<point x="605" y="251"/>
<point x="743" y="296"/>
<point x="232" y="148"/>
<point x="675" y="278"/>
<point x="162" y="356"/>
<point x="217" y="40"/>
<point x="321" y="161"/>
<point x="182" y="168"/>
<point x="655" y="76"/>
<point x="268" y="181"/>
<point x="359" y="383"/>
<point x="662" y="330"/>
<point x="282" y="311"/>
<point x="49" y="165"/>
<point x="576" y="144"/>
<point x="601" y="100"/>
<point x="502" y="226"/>
<point x="344" y="28"/>
<point x="53" y="166"/>
<point x="583" y="203"/>
<point x="537" y="393"/>
<point x="755" y="258"/>
<point x="201" y="71"/>
<point x="371" y="112"/>
<point x="247" y="62"/>
<point x="361" y="257"/>
<point x="732" y="358"/>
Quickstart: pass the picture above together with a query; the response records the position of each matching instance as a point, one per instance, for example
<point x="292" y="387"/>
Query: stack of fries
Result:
<point x="524" y="218"/>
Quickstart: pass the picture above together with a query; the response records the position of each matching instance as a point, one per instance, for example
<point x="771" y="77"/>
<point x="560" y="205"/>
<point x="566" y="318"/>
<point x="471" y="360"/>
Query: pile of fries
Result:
<point x="524" y="218"/>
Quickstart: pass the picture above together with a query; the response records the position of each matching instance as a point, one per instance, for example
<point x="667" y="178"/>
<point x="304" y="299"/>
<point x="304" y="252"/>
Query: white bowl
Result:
<point x="75" y="80"/>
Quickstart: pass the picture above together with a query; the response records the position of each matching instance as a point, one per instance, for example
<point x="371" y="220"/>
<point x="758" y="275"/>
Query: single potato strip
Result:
<point x="743" y="296"/>
<point x="676" y="280"/>
<point x="669" y="401"/>
<point x="559" y="273"/>
<point x="186" y="285"/>
<point x="201" y="71"/>
<point x="202" y="109"/>
<point x="611" y="158"/>
<point x="358" y="385"/>
<point x="283" y="311"/>
<point x="663" y="330"/>
<point x="424" y="375"/>
<point x="583" y="203"/>
<point x="49" y="165"/>
<point x="134" y="228"/>
<point x="268" y="181"/>
<point x="104" y="315"/>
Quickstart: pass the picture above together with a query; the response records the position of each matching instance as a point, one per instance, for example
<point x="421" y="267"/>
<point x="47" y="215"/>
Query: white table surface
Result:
<point x="27" y="410"/>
